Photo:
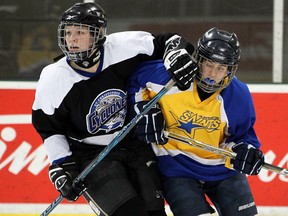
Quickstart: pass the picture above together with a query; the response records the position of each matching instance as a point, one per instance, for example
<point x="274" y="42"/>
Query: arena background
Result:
<point x="28" y="42"/>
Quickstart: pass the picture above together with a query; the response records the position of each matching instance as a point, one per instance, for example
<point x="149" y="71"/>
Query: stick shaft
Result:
<point x="220" y="151"/>
<point x="124" y="131"/>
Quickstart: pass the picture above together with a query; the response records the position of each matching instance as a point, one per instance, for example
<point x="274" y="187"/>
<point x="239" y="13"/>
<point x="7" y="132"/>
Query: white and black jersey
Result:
<point x="90" y="108"/>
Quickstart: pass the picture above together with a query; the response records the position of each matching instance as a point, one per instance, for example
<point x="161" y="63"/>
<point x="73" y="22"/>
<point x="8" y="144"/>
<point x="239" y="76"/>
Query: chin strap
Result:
<point x="90" y="61"/>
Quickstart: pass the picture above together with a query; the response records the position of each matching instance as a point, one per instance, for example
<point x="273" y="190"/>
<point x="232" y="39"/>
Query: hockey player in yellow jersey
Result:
<point x="218" y="110"/>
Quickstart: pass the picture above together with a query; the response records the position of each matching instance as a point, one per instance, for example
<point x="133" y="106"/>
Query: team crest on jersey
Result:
<point x="189" y="122"/>
<point x="107" y="111"/>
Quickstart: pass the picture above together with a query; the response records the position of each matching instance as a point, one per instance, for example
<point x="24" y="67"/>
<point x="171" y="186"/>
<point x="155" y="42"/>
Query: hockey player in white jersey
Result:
<point x="80" y="106"/>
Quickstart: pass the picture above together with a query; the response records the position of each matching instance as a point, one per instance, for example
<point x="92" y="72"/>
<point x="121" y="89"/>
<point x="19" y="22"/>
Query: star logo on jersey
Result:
<point x="187" y="126"/>
<point x="189" y="122"/>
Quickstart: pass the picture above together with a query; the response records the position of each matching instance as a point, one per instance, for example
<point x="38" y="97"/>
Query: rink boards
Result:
<point x="26" y="189"/>
<point x="84" y="210"/>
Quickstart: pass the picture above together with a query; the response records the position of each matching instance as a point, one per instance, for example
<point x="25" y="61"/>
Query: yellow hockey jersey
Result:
<point x="224" y="117"/>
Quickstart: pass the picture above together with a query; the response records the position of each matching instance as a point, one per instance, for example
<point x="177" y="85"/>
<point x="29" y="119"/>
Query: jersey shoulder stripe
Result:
<point x="125" y="45"/>
<point x="55" y="82"/>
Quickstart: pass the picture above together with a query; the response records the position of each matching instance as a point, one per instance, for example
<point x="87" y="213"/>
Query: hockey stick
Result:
<point x="220" y="151"/>
<point x="123" y="132"/>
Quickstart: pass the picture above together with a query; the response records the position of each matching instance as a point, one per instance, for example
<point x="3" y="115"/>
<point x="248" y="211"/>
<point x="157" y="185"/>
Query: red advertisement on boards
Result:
<point x="271" y="189"/>
<point x="23" y="162"/>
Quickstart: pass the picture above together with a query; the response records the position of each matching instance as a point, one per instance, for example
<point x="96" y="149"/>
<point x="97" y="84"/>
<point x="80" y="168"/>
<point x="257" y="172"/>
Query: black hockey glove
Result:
<point x="150" y="127"/>
<point x="179" y="63"/>
<point x="248" y="160"/>
<point x="62" y="180"/>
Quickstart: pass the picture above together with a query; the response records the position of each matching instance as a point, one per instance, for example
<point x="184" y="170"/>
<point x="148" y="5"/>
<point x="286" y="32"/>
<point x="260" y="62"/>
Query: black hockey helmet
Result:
<point x="221" y="47"/>
<point x="89" y="15"/>
<point x="85" y="13"/>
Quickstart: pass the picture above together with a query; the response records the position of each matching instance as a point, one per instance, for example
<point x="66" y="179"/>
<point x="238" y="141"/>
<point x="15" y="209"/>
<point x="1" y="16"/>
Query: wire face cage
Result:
<point x="78" y="41"/>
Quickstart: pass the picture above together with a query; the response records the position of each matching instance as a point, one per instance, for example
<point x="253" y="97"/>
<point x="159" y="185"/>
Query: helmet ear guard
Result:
<point x="84" y="15"/>
<point x="221" y="47"/>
